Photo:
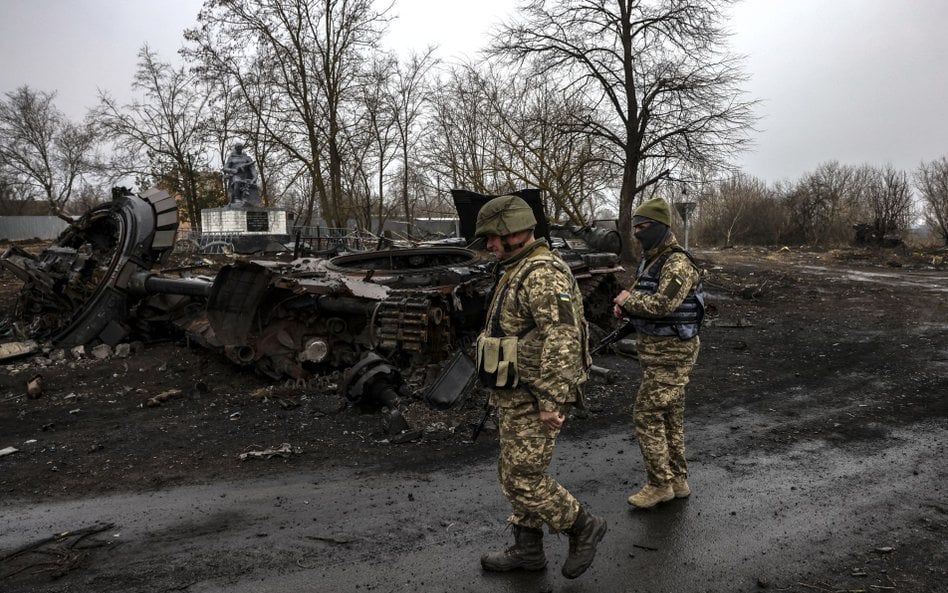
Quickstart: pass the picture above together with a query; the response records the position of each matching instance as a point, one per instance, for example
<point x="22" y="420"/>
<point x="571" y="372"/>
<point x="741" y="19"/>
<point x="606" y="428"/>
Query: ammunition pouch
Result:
<point x="497" y="362"/>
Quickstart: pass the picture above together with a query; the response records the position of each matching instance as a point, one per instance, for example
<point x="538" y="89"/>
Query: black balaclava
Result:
<point x="651" y="236"/>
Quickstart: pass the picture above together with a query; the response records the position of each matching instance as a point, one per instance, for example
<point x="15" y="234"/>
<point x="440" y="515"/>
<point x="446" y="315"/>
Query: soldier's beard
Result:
<point x="511" y="249"/>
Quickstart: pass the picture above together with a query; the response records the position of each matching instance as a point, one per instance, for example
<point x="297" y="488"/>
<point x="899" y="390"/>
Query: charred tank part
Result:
<point x="571" y="237"/>
<point x="238" y="291"/>
<point x="77" y="291"/>
<point x="589" y="238"/>
<point x="302" y="326"/>
<point x="412" y="324"/>
<point x="374" y="382"/>
<point x="315" y="350"/>
<point x="408" y="268"/>
<point x="469" y="203"/>
<point x="454" y="383"/>
<point x="434" y="301"/>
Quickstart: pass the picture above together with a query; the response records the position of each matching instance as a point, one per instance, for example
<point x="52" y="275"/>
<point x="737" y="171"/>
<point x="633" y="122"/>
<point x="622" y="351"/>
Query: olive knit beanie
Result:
<point x="655" y="209"/>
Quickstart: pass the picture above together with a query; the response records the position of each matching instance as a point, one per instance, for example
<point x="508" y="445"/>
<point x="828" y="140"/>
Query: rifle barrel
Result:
<point x="614" y="336"/>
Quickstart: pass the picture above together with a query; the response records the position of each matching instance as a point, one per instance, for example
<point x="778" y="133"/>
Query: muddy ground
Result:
<point x="817" y="424"/>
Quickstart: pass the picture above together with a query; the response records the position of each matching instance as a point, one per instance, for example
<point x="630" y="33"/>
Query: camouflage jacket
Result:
<point x="538" y="300"/>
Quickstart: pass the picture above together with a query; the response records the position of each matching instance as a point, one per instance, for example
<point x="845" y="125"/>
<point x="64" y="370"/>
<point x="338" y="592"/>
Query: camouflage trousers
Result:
<point x="526" y="450"/>
<point x="659" y="409"/>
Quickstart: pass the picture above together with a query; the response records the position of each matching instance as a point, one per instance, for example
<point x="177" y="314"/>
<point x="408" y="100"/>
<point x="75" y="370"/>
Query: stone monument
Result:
<point x="240" y="178"/>
<point x="243" y="223"/>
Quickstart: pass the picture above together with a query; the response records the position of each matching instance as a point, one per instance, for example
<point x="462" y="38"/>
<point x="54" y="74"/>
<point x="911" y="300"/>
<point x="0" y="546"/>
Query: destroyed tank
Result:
<point x="379" y="326"/>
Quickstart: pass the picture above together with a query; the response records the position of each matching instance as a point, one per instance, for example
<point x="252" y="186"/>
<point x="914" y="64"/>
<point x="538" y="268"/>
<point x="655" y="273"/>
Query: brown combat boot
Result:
<point x="585" y="534"/>
<point x="525" y="554"/>
<point x="650" y="496"/>
<point x="680" y="488"/>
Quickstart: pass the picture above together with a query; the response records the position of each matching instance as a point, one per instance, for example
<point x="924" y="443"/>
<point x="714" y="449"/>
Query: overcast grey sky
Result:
<point x="858" y="81"/>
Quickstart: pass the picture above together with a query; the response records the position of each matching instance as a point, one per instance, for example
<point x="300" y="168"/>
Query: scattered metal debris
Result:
<point x="284" y="450"/>
<point x="162" y="397"/>
<point x="11" y="350"/>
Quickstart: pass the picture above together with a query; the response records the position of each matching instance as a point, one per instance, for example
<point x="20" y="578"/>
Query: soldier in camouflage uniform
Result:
<point x="533" y="355"/>
<point x="666" y="305"/>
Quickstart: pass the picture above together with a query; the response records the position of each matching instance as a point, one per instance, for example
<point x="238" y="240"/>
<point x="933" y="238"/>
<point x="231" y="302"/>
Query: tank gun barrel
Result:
<point x="146" y="283"/>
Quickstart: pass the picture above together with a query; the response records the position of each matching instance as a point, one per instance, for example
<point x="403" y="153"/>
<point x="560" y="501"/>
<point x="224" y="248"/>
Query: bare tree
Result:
<point x="87" y="197"/>
<point x="304" y="54"/>
<point x="537" y="148"/>
<point x="407" y="99"/>
<point x="740" y="210"/>
<point x="162" y="136"/>
<point x="12" y="200"/>
<point x="931" y="179"/>
<point x="357" y="182"/>
<point x="890" y="201"/>
<point x="41" y="152"/>
<point x="666" y="93"/>
<point x="826" y="203"/>
<point x="381" y="130"/>
<point x="493" y="130"/>
<point x="461" y="132"/>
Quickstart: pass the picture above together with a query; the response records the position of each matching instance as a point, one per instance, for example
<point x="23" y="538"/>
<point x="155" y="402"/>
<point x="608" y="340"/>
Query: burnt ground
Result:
<point x="808" y="356"/>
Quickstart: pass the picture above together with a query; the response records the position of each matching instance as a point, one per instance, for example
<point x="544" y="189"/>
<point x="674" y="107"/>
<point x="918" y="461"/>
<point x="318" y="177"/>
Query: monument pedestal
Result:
<point x="248" y="229"/>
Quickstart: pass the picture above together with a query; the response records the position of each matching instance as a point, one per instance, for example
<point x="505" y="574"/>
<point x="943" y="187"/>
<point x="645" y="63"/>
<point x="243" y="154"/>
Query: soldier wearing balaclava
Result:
<point x="666" y="305"/>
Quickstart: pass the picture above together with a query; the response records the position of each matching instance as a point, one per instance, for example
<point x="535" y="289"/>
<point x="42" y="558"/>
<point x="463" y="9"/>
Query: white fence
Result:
<point x="25" y="228"/>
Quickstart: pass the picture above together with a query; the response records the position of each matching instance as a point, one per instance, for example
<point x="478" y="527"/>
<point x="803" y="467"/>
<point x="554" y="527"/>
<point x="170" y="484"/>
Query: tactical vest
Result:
<point x="685" y="321"/>
<point x="506" y="360"/>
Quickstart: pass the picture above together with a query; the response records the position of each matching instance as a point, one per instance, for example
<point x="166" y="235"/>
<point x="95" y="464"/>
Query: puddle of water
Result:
<point x="933" y="282"/>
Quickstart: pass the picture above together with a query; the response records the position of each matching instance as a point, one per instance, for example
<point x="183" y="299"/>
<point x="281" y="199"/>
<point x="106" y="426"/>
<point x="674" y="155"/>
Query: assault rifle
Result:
<point x="488" y="410"/>
<point x="624" y="329"/>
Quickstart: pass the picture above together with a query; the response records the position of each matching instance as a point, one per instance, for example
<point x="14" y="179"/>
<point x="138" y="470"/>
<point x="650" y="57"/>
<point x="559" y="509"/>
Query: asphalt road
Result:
<point x="816" y="444"/>
<point x="766" y="520"/>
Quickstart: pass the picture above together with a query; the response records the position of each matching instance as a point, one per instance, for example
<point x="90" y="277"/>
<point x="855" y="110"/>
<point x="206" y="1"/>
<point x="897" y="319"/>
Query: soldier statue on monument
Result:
<point x="240" y="178"/>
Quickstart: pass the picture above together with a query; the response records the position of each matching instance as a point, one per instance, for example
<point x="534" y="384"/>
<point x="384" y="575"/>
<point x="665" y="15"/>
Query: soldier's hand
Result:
<point x="552" y="420"/>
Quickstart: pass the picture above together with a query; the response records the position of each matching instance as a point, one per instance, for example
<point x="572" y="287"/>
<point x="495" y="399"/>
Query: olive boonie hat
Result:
<point x="656" y="210"/>
<point x="504" y="215"/>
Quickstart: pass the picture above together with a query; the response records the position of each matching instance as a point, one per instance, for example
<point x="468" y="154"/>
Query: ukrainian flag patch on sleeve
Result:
<point x="564" y="308"/>
<point x="674" y="287"/>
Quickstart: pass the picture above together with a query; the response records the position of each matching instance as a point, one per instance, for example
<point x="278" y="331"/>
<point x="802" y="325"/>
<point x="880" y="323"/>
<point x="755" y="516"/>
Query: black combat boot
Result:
<point x="525" y="554"/>
<point x="584" y="536"/>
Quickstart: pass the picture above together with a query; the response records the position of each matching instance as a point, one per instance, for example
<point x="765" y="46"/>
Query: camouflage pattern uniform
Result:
<point x="537" y="299"/>
<point x="666" y="363"/>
